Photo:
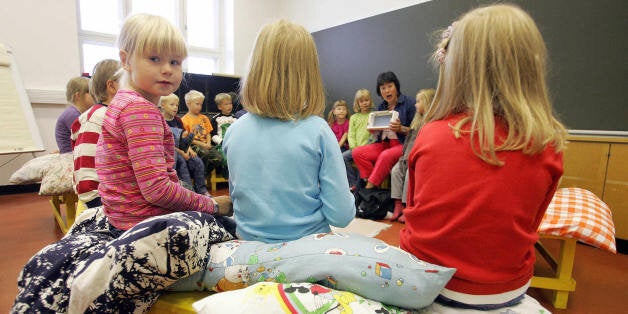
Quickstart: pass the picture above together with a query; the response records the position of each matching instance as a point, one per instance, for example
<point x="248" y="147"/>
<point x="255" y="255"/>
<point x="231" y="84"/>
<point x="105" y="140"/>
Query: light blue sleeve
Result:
<point x="338" y="202"/>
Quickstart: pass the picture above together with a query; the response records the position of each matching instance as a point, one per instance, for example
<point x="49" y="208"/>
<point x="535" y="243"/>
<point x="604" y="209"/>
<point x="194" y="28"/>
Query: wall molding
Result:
<point x="46" y="96"/>
<point x="598" y="133"/>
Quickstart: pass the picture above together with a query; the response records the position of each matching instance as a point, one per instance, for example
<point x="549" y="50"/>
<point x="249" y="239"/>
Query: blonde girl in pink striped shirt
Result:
<point x="135" y="154"/>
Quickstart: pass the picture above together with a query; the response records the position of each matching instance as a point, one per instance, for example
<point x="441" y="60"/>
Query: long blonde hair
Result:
<point x="495" y="66"/>
<point x="283" y="79"/>
<point x="331" y="118"/>
<point x="359" y="94"/>
<point x="426" y="95"/>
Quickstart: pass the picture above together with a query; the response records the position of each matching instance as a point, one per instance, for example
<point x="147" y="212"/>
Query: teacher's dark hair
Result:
<point x="387" y="77"/>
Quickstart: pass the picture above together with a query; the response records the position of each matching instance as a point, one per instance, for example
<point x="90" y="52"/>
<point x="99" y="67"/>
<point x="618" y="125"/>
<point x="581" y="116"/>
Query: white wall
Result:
<point x="251" y="15"/>
<point x="44" y="38"/>
<point x="322" y="14"/>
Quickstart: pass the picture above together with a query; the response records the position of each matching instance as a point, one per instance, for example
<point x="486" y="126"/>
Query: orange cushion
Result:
<point x="578" y="213"/>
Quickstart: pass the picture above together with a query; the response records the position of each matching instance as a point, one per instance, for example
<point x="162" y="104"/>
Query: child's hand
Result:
<point x="191" y="153"/>
<point x="225" y="207"/>
<point x="185" y="155"/>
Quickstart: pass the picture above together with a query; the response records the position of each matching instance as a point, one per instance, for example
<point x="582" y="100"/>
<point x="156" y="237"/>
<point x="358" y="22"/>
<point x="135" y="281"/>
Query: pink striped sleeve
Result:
<point x="151" y="151"/>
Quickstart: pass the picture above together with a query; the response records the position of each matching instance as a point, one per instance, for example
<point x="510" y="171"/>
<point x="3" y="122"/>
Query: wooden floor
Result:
<point x="27" y="225"/>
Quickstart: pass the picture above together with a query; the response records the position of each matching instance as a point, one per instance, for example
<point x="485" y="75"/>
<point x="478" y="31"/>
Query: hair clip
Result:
<point x="445" y="36"/>
<point x="440" y="55"/>
<point x="447" y="33"/>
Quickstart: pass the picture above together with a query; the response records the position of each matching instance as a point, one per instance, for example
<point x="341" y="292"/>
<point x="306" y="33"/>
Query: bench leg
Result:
<point x="562" y="281"/>
<point x="213" y="183"/>
<point x="214" y="180"/>
<point x="68" y="199"/>
<point x="564" y="272"/>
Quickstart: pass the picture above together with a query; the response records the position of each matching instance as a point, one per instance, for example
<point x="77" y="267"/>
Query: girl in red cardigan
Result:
<point x="486" y="164"/>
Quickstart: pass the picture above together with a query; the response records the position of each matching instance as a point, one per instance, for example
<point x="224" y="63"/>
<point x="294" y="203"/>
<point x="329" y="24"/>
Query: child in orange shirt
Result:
<point x="199" y="124"/>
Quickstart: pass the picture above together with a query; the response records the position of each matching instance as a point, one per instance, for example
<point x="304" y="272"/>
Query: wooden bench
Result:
<point x="562" y="281"/>
<point x="214" y="179"/>
<point x="177" y="302"/>
<point x="69" y="200"/>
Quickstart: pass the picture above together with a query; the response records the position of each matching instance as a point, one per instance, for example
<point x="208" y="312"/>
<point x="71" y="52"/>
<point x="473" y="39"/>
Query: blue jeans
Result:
<point x="192" y="168"/>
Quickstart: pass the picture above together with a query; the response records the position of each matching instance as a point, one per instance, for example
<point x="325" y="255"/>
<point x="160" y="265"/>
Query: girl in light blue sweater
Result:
<point x="286" y="174"/>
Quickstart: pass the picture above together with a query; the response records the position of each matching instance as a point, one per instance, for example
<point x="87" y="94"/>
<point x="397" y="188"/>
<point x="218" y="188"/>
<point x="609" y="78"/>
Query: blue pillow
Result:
<point x="365" y="266"/>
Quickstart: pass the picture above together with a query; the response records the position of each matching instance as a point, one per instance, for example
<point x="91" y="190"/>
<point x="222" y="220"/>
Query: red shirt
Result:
<point x="85" y="134"/>
<point x="481" y="219"/>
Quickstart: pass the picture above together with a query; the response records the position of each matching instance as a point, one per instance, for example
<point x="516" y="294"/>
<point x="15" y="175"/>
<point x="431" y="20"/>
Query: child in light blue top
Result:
<point x="287" y="176"/>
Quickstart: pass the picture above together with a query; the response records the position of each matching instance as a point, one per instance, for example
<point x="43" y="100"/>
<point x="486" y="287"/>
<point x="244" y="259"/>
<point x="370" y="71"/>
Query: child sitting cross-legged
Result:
<point x="188" y="165"/>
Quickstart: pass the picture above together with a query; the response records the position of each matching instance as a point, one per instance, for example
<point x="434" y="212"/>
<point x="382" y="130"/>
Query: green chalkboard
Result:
<point x="586" y="41"/>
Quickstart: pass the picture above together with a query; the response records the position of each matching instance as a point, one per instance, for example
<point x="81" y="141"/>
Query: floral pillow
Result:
<point x="33" y="170"/>
<point x="365" y="266"/>
<point x="57" y="176"/>
<point x="272" y="297"/>
<point x="578" y="213"/>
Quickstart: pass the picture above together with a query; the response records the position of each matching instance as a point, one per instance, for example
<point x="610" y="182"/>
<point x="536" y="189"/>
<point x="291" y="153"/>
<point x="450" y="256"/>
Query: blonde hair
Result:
<point x="145" y="32"/>
<point x="193" y="95"/>
<point x="330" y="116"/>
<point x="220" y="97"/>
<point x="283" y="79"/>
<point x="76" y="85"/>
<point x="495" y="65"/>
<point x="361" y="93"/>
<point x="426" y="95"/>
<point x="104" y="71"/>
<point x="168" y="98"/>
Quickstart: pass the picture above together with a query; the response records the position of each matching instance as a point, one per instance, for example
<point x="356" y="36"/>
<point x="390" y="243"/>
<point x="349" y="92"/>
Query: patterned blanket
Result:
<point x="93" y="264"/>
